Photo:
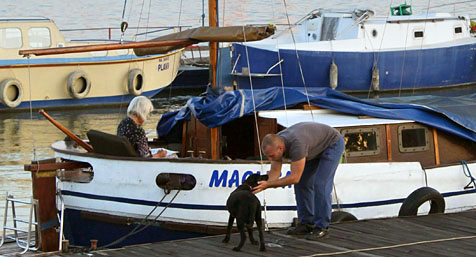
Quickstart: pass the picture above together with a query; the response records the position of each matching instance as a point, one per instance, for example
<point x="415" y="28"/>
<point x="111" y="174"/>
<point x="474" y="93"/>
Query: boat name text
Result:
<point x="221" y="179"/>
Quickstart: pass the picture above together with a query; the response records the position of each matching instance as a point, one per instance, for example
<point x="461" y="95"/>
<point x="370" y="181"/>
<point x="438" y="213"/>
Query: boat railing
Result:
<point x="365" y="16"/>
<point x="312" y="14"/>
<point x="111" y="30"/>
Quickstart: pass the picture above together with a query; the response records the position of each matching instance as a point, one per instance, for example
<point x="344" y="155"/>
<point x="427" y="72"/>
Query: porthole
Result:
<point x="418" y="34"/>
<point x="361" y="142"/>
<point x="413" y="138"/>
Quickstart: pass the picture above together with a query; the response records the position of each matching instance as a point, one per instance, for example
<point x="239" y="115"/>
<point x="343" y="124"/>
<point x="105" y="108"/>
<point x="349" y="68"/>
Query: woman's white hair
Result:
<point x="140" y="106"/>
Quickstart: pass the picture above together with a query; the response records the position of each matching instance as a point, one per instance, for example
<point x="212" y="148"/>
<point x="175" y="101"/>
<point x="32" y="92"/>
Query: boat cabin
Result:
<point x="367" y="139"/>
<point x="375" y="32"/>
<point x="27" y="33"/>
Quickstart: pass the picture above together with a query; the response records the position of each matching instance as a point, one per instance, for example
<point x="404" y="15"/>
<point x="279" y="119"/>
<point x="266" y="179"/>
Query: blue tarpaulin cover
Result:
<point x="455" y="115"/>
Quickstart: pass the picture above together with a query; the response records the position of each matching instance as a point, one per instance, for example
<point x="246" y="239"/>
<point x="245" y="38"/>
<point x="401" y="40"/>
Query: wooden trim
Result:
<point x="310" y="107"/>
<point x="215" y="155"/>
<point x="435" y="145"/>
<point x="67" y="132"/>
<point x="55" y="166"/>
<point x="184" y="139"/>
<point x="389" y="142"/>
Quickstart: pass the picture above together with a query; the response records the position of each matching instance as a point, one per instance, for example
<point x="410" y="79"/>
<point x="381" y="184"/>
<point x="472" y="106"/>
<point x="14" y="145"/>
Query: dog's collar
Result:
<point x="250" y="187"/>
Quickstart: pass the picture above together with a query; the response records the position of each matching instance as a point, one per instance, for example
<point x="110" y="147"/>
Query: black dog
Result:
<point x="246" y="208"/>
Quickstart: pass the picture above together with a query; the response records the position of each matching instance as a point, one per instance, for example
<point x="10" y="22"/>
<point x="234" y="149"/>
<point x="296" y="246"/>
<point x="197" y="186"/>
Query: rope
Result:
<point x="257" y="127"/>
<point x="137" y="229"/>
<point x="466" y="168"/>
<point x="147" y="24"/>
<point x="393" y="246"/>
<point x="124" y="9"/>
<point x="180" y="13"/>
<point x="280" y="69"/>
<point x="297" y="56"/>
<point x="169" y="96"/>
<point x="31" y="112"/>
<point x="421" y="47"/>
<point x="377" y="54"/>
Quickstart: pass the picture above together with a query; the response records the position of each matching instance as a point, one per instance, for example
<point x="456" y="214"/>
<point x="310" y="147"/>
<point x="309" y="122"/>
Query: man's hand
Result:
<point x="262" y="185"/>
<point x="160" y="154"/>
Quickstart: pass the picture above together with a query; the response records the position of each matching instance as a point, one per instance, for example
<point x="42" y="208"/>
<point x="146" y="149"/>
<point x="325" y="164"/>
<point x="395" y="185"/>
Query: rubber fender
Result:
<point x="78" y="84"/>
<point x="420" y="196"/>
<point x="333" y="75"/>
<point x="135" y="82"/>
<point x="340" y="216"/>
<point x="11" y="92"/>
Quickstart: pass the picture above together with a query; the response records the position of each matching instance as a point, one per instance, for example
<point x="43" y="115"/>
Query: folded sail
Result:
<point x="210" y="34"/>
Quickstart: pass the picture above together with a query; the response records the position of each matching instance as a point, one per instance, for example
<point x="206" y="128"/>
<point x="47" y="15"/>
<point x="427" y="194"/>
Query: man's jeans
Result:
<point x="313" y="192"/>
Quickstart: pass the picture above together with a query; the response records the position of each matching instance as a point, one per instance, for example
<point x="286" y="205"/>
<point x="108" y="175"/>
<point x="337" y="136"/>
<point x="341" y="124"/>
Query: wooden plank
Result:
<point x="248" y="248"/>
<point x="104" y="47"/>
<point x="324" y="246"/>
<point x="433" y="235"/>
<point x="35" y="167"/>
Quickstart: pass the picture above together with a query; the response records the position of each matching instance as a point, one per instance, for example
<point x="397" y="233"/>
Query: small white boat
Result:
<point x="391" y="167"/>
<point x="359" y="51"/>
<point x="75" y="79"/>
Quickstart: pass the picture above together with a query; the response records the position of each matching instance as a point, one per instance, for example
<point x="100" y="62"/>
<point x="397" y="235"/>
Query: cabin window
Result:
<point x="10" y="38"/>
<point x="413" y="138"/>
<point x="418" y="34"/>
<point x="360" y="142"/>
<point x="458" y="30"/>
<point x="39" y="37"/>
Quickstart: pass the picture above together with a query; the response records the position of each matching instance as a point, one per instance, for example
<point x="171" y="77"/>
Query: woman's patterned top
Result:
<point x="136" y="135"/>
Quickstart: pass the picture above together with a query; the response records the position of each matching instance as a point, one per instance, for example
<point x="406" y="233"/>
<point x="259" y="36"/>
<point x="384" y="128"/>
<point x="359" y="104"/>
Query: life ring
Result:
<point x="78" y="84"/>
<point x="135" y="82"/>
<point x="418" y="197"/>
<point x="11" y="92"/>
<point x="340" y="216"/>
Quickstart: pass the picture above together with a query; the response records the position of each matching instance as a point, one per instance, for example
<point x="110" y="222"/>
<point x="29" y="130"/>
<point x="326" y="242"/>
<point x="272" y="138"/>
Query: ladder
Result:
<point x="24" y="244"/>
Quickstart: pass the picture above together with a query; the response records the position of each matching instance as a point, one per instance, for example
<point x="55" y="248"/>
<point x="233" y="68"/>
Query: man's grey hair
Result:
<point x="140" y="106"/>
<point x="271" y="140"/>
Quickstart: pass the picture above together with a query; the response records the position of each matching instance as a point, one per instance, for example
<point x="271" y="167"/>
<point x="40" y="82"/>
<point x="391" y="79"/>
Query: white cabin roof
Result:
<point x="328" y="117"/>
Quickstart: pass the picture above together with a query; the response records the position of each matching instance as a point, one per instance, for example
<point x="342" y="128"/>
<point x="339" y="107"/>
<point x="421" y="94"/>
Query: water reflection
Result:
<point x="25" y="138"/>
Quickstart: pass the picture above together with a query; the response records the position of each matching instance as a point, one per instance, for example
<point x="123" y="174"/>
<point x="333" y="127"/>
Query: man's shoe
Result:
<point x="300" y="230"/>
<point x="318" y="234"/>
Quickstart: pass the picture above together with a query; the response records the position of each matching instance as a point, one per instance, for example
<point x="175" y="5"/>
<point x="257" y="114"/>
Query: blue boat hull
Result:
<point x="398" y="70"/>
<point x="79" y="230"/>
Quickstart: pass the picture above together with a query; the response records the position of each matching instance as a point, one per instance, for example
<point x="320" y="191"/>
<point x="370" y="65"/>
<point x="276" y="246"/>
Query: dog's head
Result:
<point x="253" y="179"/>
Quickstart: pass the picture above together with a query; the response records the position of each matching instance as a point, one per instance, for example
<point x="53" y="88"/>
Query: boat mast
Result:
<point x="213" y="22"/>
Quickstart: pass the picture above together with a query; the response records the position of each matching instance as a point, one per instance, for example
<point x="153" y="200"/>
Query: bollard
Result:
<point x="94" y="244"/>
<point x="65" y="245"/>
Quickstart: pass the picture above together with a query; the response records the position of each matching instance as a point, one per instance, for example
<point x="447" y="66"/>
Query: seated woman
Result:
<point x="137" y="113"/>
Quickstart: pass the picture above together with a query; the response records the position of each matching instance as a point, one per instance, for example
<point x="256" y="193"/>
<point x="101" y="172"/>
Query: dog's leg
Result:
<point x="250" y="233"/>
<point x="231" y="219"/>
<point x="249" y="226"/>
<point x="259" y="224"/>
<point x="241" y="227"/>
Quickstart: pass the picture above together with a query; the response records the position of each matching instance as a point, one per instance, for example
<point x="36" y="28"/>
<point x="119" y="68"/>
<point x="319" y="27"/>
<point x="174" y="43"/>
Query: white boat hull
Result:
<point x="127" y="188"/>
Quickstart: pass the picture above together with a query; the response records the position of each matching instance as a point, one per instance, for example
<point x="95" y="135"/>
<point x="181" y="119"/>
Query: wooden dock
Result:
<point x="435" y="235"/>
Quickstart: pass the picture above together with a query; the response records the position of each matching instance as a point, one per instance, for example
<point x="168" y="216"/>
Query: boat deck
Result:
<point x="434" y="235"/>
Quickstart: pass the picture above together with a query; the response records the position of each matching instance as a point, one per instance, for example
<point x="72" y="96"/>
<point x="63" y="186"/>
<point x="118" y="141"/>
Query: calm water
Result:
<point x="22" y="135"/>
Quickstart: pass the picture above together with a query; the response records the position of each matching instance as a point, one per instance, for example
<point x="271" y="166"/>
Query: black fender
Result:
<point x="418" y="197"/>
<point x="340" y="216"/>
